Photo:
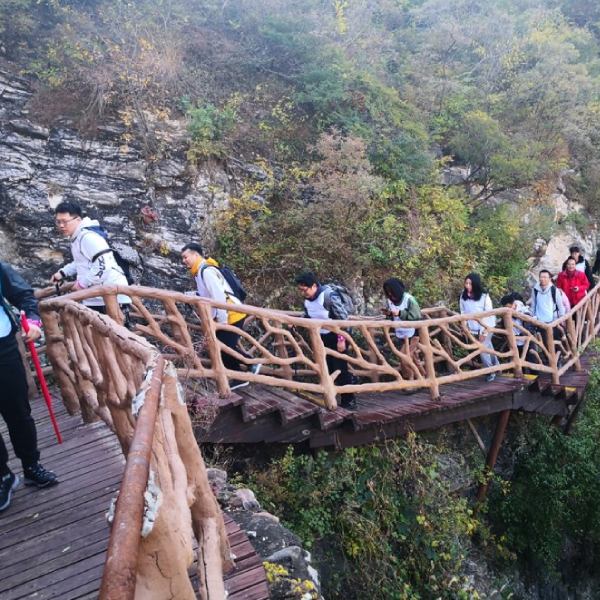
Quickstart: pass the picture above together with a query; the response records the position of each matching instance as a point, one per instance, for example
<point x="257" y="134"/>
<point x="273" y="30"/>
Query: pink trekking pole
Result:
<point x="38" y="369"/>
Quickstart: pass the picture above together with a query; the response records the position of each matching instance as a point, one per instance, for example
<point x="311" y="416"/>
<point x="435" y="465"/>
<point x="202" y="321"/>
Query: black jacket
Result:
<point x="16" y="291"/>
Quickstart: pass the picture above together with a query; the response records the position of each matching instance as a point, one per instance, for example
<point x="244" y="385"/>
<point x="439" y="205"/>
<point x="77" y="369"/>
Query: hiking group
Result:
<point x="95" y="262"/>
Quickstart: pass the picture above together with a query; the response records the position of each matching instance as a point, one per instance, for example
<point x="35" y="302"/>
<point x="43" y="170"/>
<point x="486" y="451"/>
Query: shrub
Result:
<point x="381" y="520"/>
<point x="560" y="473"/>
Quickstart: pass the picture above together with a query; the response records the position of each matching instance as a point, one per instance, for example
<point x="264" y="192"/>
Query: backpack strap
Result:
<point x="88" y="230"/>
<point x="552" y="291"/>
<point x="207" y="266"/>
<point x="99" y="254"/>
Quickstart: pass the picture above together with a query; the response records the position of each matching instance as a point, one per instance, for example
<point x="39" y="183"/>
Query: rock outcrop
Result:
<point x="150" y="205"/>
<point x="288" y="567"/>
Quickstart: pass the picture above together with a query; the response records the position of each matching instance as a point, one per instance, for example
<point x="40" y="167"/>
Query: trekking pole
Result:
<point x="38" y="368"/>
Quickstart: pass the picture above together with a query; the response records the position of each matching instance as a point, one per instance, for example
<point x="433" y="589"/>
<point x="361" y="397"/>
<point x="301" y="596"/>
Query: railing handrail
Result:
<point x="119" y="576"/>
<point x="101" y="368"/>
<point x="513" y="358"/>
<point x="296" y="317"/>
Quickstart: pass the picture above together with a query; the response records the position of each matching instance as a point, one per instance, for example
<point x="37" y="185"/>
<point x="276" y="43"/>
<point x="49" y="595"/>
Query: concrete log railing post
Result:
<point x="120" y="571"/>
<point x="282" y="351"/>
<point x="210" y="332"/>
<point x="552" y="357"/>
<point x="113" y="310"/>
<point x="56" y="352"/>
<point x="320" y="356"/>
<point x="512" y="343"/>
<point x="427" y="349"/>
<point x="572" y="337"/>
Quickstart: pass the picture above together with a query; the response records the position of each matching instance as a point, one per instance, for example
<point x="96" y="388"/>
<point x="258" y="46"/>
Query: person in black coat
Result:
<point x="14" y="402"/>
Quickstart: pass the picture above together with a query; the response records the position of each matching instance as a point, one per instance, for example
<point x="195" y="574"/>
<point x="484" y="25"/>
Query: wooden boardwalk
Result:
<point x="262" y="414"/>
<point x="53" y="541"/>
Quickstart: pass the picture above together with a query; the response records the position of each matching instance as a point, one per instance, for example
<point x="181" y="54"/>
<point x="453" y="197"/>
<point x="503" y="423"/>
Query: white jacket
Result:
<point x="85" y="245"/>
<point x="543" y="306"/>
<point x="474" y="306"/>
<point x="212" y="284"/>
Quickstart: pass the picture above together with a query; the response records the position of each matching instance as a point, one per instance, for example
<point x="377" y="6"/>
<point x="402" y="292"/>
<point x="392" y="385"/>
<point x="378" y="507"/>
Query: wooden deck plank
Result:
<point x="53" y="541"/>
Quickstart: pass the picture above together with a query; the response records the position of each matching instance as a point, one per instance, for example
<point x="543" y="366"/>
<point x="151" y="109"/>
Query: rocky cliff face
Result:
<point x="151" y="203"/>
<point x="152" y="207"/>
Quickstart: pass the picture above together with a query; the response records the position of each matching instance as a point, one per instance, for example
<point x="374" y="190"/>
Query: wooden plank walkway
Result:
<point x="53" y="541"/>
<point x="262" y="414"/>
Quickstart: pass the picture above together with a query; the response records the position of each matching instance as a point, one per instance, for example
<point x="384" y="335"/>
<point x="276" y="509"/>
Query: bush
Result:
<point x="382" y="521"/>
<point x="208" y="126"/>
<point x="561" y="474"/>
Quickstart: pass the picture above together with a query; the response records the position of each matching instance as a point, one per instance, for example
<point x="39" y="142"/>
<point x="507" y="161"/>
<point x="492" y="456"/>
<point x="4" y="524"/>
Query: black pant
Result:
<point x="14" y="407"/>
<point x="334" y="364"/>
<point x="125" y="309"/>
<point x="231" y="339"/>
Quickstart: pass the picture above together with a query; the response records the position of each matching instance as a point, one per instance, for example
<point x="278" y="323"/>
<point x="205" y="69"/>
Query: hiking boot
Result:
<point x="38" y="476"/>
<point x="490" y="377"/>
<point x="8" y="484"/>
<point x="236" y="384"/>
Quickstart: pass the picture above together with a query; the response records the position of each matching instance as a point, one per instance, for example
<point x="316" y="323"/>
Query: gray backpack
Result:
<point x="347" y="303"/>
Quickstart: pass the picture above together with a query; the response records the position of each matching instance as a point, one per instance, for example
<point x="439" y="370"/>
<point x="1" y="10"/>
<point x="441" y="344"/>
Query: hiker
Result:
<point x="325" y="303"/>
<point x="475" y="299"/>
<point x="14" y="403"/>
<point x="546" y="301"/>
<point x="596" y="268"/>
<point x="515" y="302"/>
<point x="402" y="306"/>
<point x="573" y="282"/>
<point x="211" y="283"/>
<point x="581" y="264"/>
<point x="93" y="260"/>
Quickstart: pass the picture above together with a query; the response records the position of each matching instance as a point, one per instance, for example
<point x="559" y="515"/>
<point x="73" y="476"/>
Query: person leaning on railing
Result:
<point x="475" y="299"/>
<point x="14" y="403"/>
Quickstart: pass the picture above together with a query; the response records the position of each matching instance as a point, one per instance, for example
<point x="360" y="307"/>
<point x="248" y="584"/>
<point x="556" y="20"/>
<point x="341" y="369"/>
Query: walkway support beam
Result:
<point x="493" y="454"/>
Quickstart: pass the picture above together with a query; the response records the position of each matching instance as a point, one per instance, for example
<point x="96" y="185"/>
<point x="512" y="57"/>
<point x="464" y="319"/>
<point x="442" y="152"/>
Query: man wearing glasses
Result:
<point x="93" y="260"/>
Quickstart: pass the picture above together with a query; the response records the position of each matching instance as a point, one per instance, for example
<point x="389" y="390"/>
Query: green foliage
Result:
<point x="208" y="126"/>
<point x="382" y="520"/>
<point x="551" y="501"/>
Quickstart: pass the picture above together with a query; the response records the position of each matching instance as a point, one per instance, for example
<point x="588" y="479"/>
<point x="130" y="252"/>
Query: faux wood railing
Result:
<point x="165" y="499"/>
<point x="293" y="355"/>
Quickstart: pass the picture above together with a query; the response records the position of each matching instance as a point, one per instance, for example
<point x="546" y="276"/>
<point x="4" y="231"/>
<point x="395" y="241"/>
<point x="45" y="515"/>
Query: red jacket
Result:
<point x="566" y="281"/>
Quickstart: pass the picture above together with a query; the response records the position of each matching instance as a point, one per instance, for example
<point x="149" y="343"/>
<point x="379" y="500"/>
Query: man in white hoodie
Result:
<point x="93" y="260"/>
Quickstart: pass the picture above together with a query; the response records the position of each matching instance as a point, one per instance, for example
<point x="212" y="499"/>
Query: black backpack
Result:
<point x="122" y="262"/>
<point x="231" y="278"/>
